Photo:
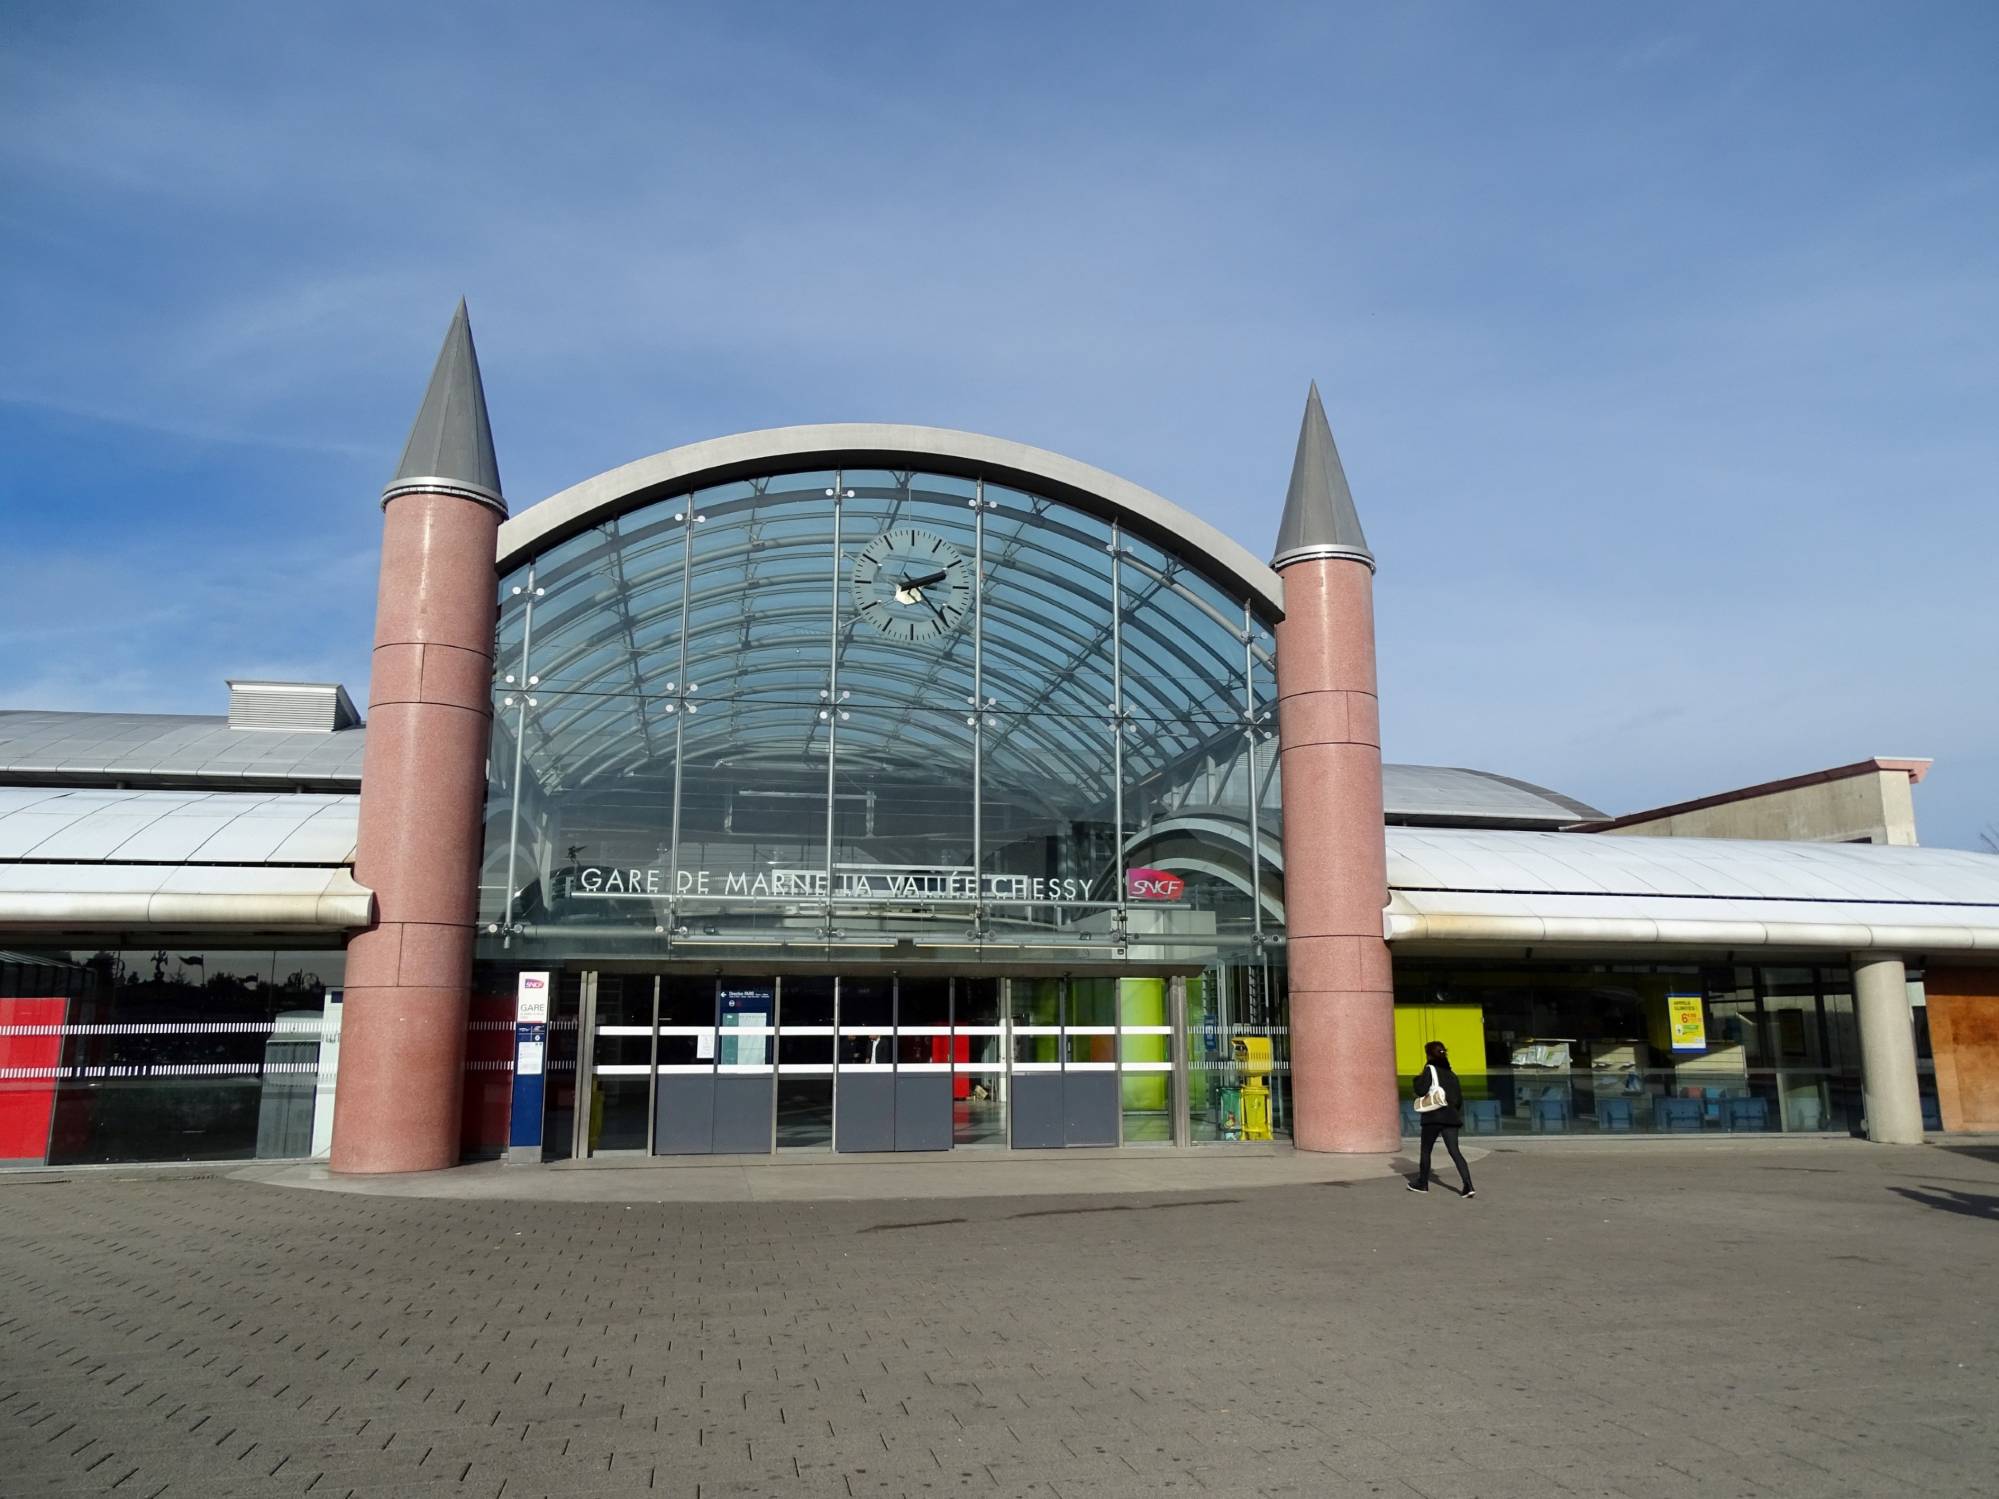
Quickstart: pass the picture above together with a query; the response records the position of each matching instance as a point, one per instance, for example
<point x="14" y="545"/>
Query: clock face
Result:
<point x="911" y="585"/>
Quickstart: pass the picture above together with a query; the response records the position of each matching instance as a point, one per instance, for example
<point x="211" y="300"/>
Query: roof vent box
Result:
<point x="292" y="707"/>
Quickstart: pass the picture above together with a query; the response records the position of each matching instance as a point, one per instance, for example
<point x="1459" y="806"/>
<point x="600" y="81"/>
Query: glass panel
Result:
<point x="906" y="633"/>
<point x="686" y="1021"/>
<point x="558" y="1118"/>
<point x="162" y="1055"/>
<point x="1846" y="1107"/>
<point x="979" y="1090"/>
<point x="867" y="1022"/>
<point x="755" y="738"/>
<point x="923" y="1004"/>
<point x="1145" y="1047"/>
<point x="1036" y="1021"/>
<point x="1187" y="864"/>
<point x="1051" y="859"/>
<point x="804" y="1063"/>
<point x="1205" y="1069"/>
<point x="1093" y="1009"/>
<point x="621" y="1063"/>
<point x="1559" y="1047"/>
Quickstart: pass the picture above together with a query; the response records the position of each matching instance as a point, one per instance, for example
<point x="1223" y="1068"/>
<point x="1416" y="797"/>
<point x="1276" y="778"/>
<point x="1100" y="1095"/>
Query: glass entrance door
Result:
<point x="1065" y="1071"/>
<point x="620" y="1022"/>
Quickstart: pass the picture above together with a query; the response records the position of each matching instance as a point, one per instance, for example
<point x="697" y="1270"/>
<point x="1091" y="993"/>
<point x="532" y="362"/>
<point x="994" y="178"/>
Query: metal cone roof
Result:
<point x="450" y="449"/>
<point x="1319" y="516"/>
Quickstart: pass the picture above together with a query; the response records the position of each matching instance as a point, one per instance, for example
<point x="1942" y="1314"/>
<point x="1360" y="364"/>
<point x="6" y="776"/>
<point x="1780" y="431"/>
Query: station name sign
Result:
<point x="907" y="884"/>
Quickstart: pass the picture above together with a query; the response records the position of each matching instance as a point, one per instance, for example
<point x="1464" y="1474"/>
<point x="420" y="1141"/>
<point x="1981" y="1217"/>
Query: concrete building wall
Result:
<point x="1871" y="804"/>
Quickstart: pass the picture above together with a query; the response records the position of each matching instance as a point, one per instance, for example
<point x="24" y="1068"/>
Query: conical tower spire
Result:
<point x="1319" y="515"/>
<point x="450" y="450"/>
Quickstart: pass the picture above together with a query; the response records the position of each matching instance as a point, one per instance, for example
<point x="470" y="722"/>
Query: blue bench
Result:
<point x="1676" y="1116"/>
<point x="1746" y="1113"/>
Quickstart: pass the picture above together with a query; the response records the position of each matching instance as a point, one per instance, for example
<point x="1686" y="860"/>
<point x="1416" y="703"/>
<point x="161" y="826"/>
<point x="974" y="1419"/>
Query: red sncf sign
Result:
<point x="1153" y="884"/>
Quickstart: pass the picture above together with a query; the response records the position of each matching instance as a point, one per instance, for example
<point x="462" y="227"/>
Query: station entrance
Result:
<point x="677" y="1064"/>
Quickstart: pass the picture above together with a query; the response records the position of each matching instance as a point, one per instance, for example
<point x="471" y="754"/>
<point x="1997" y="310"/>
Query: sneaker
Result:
<point x="1414" y="1188"/>
<point x="1469" y="1192"/>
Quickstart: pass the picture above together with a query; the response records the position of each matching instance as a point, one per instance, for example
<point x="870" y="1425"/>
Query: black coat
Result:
<point x="1451" y="1115"/>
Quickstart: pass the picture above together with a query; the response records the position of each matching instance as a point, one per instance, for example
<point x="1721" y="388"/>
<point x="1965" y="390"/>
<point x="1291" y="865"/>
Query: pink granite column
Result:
<point x="423" y="789"/>
<point x="1345" y="1095"/>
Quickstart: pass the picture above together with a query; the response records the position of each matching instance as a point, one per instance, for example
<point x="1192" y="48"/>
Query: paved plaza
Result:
<point x="1649" y="1319"/>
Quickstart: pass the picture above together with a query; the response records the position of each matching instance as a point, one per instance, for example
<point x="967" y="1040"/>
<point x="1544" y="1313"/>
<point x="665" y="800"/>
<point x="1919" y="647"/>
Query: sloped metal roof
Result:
<point x="1453" y="794"/>
<point x="178" y="747"/>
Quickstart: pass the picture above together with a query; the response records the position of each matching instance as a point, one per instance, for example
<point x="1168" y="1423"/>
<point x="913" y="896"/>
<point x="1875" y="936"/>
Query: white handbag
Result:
<point x="1434" y="1099"/>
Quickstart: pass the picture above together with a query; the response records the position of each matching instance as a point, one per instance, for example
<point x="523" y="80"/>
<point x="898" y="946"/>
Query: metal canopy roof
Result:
<point x="1467" y="885"/>
<point x="176" y="827"/>
<point x="263" y="860"/>
<point x="268" y="859"/>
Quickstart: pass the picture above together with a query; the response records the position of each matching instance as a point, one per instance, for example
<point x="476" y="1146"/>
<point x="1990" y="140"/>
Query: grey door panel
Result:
<point x="1038" y="1117"/>
<point x="1090" y="1103"/>
<point x="923" y="1111"/>
<point x="742" y="1114"/>
<point x="684" y="1122"/>
<point x="864" y="1111"/>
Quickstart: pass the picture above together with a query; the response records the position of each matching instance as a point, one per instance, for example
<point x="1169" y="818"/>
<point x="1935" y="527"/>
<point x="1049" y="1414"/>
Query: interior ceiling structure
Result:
<point x="722" y="625"/>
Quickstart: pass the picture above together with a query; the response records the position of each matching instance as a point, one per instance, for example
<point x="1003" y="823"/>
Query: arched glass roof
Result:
<point x="617" y="640"/>
<point x="723" y="669"/>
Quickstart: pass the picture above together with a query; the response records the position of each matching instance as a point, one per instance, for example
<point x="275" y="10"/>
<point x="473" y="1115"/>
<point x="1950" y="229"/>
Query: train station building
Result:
<point x="868" y="788"/>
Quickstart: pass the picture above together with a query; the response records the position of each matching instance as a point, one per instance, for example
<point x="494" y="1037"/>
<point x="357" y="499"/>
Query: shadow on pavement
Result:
<point x="1987" y="1153"/>
<point x="1950" y="1200"/>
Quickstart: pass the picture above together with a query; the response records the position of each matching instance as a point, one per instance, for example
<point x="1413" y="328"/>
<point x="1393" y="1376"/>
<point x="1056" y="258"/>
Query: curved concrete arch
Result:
<point x="888" y="445"/>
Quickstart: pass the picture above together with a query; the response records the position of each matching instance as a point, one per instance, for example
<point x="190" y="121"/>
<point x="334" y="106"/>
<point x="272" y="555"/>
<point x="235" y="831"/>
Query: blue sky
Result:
<point x="1658" y="340"/>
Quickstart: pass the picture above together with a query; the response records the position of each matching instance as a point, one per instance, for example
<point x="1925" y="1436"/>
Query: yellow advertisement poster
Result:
<point x="1688" y="1021"/>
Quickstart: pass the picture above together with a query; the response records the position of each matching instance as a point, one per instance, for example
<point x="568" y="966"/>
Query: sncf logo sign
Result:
<point x="1153" y="884"/>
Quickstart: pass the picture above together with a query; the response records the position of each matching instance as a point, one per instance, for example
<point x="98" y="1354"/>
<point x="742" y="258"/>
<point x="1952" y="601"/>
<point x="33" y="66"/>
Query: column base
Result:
<point x="1345" y="1095"/>
<point x="402" y="1077"/>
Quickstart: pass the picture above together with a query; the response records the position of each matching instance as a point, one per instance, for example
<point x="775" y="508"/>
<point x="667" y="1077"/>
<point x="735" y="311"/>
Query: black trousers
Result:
<point x="1450" y="1134"/>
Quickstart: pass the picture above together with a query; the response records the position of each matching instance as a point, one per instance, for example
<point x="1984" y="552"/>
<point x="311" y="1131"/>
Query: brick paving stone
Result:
<point x="1658" y="1321"/>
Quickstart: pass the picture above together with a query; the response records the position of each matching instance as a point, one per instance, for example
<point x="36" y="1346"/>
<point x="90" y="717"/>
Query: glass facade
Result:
<point x="983" y="759"/>
<point x="1651" y="1048"/>
<point x="166" y="1055"/>
<point x="880" y="716"/>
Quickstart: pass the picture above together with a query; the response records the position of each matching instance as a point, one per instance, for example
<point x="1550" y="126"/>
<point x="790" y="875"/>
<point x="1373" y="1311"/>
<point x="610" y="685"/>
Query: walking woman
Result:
<point x="1440" y="1102"/>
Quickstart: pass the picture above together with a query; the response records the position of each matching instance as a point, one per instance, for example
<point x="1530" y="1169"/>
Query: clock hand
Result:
<point x="940" y="615"/>
<point x="912" y="584"/>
